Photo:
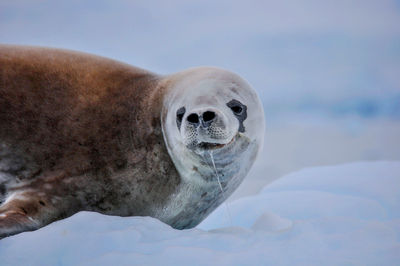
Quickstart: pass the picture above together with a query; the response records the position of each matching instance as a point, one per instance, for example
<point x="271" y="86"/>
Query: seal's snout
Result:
<point x="205" y="125"/>
<point x="204" y="119"/>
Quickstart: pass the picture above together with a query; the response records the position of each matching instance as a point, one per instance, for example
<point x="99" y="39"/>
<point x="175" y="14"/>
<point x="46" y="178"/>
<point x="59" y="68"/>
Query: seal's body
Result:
<point x="82" y="132"/>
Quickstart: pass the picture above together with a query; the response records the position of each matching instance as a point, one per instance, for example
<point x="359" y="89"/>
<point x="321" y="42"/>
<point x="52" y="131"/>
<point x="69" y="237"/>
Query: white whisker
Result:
<point x="220" y="186"/>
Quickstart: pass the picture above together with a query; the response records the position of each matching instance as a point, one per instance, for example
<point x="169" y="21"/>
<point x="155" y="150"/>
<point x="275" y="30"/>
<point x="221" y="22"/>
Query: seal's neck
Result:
<point x="210" y="182"/>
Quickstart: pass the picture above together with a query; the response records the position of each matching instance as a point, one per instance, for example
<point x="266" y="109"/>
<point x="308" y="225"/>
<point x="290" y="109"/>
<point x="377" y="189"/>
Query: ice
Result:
<point x="337" y="215"/>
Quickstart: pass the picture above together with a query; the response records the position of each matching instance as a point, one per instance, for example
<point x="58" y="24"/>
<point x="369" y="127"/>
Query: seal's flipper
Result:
<point x="27" y="210"/>
<point x="35" y="203"/>
<point x="13" y="222"/>
<point x="20" y="212"/>
<point x="14" y="169"/>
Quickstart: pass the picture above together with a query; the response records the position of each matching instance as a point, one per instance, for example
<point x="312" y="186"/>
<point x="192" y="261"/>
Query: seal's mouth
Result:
<point x="210" y="146"/>
<point x="213" y="146"/>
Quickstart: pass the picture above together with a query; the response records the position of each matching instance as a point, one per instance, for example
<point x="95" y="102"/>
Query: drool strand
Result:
<point x="220" y="186"/>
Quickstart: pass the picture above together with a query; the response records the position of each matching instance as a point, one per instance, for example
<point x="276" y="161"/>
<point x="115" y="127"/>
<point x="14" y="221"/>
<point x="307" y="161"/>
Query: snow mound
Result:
<point x="337" y="215"/>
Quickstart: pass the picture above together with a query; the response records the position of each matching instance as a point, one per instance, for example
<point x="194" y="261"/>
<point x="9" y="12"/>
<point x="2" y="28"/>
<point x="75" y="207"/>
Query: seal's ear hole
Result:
<point x="179" y="116"/>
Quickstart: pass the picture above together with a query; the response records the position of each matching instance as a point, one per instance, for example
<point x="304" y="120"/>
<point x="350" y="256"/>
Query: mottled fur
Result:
<point x="81" y="126"/>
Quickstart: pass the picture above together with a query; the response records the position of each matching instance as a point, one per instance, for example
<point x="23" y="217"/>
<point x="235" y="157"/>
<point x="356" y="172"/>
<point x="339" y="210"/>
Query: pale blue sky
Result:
<point x="297" y="54"/>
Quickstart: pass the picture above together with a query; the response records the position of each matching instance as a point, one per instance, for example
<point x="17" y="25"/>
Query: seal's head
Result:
<point x="214" y="112"/>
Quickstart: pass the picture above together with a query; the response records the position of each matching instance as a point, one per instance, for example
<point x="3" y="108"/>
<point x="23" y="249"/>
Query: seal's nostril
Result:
<point x="208" y="116"/>
<point x="193" y="118"/>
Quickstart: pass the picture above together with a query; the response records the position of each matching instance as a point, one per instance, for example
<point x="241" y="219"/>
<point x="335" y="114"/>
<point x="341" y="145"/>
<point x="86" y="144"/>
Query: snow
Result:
<point x="337" y="215"/>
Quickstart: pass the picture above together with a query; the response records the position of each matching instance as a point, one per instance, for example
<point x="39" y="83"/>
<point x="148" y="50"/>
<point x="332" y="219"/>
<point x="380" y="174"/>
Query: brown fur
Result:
<point x="86" y="128"/>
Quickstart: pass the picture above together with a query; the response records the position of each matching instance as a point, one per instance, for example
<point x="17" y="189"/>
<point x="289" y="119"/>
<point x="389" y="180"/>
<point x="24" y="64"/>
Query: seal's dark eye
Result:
<point x="237" y="109"/>
<point x="240" y="111"/>
<point x="179" y="116"/>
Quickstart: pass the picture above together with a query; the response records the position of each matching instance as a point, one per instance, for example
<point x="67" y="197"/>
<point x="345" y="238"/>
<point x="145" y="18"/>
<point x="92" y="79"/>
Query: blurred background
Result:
<point x="327" y="72"/>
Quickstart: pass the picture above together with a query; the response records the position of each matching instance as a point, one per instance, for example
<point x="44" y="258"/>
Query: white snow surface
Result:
<point x="336" y="215"/>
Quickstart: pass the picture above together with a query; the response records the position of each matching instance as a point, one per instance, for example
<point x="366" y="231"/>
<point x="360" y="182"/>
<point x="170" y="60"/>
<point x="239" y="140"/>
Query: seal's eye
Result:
<point x="179" y="116"/>
<point x="240" y="111"/>
<point x="236" y="106"/>
<point x="237" y="109"/>
<point x="180" y="113"/>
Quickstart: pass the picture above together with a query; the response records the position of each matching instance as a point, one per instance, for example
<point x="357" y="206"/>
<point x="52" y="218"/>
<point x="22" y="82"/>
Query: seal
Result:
<point x="82" y="132"/>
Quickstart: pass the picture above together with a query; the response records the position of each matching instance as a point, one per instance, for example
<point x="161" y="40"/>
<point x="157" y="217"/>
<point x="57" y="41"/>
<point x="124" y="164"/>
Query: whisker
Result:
<point x="220" y="186"/>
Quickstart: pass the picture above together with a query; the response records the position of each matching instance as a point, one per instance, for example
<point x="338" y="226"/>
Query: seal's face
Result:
<point x="212" y="111"/>
<point x="208" y="126"/>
